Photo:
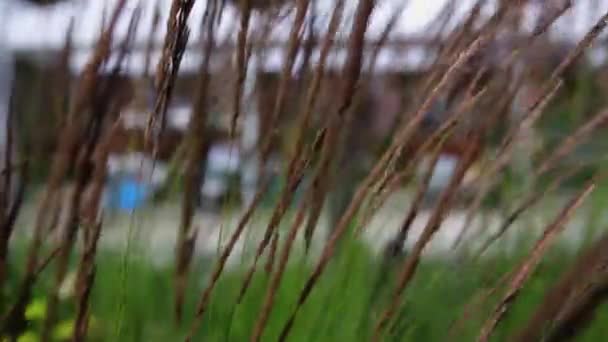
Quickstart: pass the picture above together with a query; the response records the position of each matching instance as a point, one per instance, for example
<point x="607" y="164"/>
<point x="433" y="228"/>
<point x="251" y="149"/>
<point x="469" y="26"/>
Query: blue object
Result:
<point x="126" y="193"/>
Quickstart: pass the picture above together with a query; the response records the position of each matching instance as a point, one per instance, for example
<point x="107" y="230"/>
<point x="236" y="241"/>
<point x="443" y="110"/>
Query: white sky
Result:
<point x="30" y="27"/>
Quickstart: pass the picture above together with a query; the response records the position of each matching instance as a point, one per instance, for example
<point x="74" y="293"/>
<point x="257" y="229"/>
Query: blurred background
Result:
<point x="37" y="76"/>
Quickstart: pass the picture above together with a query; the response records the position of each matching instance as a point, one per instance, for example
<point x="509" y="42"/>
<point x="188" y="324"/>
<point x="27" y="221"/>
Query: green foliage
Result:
<point x="581" y="100"/>
<point x="344" y="306"/>
<point x="137" y="305"/>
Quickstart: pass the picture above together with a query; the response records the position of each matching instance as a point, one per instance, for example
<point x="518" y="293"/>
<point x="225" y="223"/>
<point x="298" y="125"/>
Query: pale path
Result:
<point x="153" y="230"/>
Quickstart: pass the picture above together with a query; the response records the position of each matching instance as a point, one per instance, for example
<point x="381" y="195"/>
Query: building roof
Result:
<point x="44" y="28"/>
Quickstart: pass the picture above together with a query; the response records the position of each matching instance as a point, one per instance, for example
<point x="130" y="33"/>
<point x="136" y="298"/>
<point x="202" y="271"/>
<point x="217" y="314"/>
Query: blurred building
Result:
<point x="33" y="42"/>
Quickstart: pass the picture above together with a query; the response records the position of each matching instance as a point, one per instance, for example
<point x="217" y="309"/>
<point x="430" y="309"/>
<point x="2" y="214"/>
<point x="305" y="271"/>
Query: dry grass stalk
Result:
<point x="227" y="251"/>
<point x="448" y="77"/>
<point x="330" y="151"/>
<point x="570" y="304"/>
<point x="525" y="270"/>
<point x="568" y="144"/>
<point x="298" y="158"/>
<point x="195" y="153"/>
<point x="488" y="179"/>
<point x="9" y="216"/>
<point x="174" y="46"/>
<point x="531" y="199"/>
<point x="395" y="247"/>
<point x="291" y="53"/>
<point x="376" y="173"/>
<point x="241" y="62"/>
<point x="322" y="181"/>
<point x="274" y="245"/>
<point x="437" y="139"/>
<point x="298" y="164"/>
<point x="293" y="45"/>
<point x="84" y="283"/>
<point x="591" y="36"/>
<point x="328" y="251"/>
<point x="311" y="98"/>
<point x="89" y="176"/>
<point x="277" y="276"/>
<point x="377" y="47"/>
<point x="453" y="44"/>
<point x="61" y="103"/>
<point x="305" y="117"/>
<point x="61" y="88"/>
<point x="10" y="202"/>
<point x="308" y="47"/>
<point x="434" y="141"/>
<point x="101" y="142"/>
<point x="86" y="268"/>
<point x="63" y="161"/>
<point x="539" y="30"/>
<point x="273" y="224"/>
<point x="150" y="42"/>
<point x="579" y="311"/>
<point x="359" y="97"/>
<point x="221" y="263"/>
<point x="242" y="44"/>
<point x="529" y="119"/>
<point x="463" y="36"/>
<point x="432" y="226"/>
<point x="47" y="261"/>
<point x="544" y="25"/>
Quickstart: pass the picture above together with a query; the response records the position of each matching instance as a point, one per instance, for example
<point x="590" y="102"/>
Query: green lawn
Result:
<point x="132" y="300"/>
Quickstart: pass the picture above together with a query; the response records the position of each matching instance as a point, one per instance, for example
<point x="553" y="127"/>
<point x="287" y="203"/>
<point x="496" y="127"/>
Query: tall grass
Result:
<point x="334" y="288"/>
<point x="344" y="306"/>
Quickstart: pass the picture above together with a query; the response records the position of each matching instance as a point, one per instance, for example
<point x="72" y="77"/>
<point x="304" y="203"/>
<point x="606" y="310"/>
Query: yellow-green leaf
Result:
<point x="63" y="330"/>
<point x="36" y="310"/>
<point x="29" y="336"/>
